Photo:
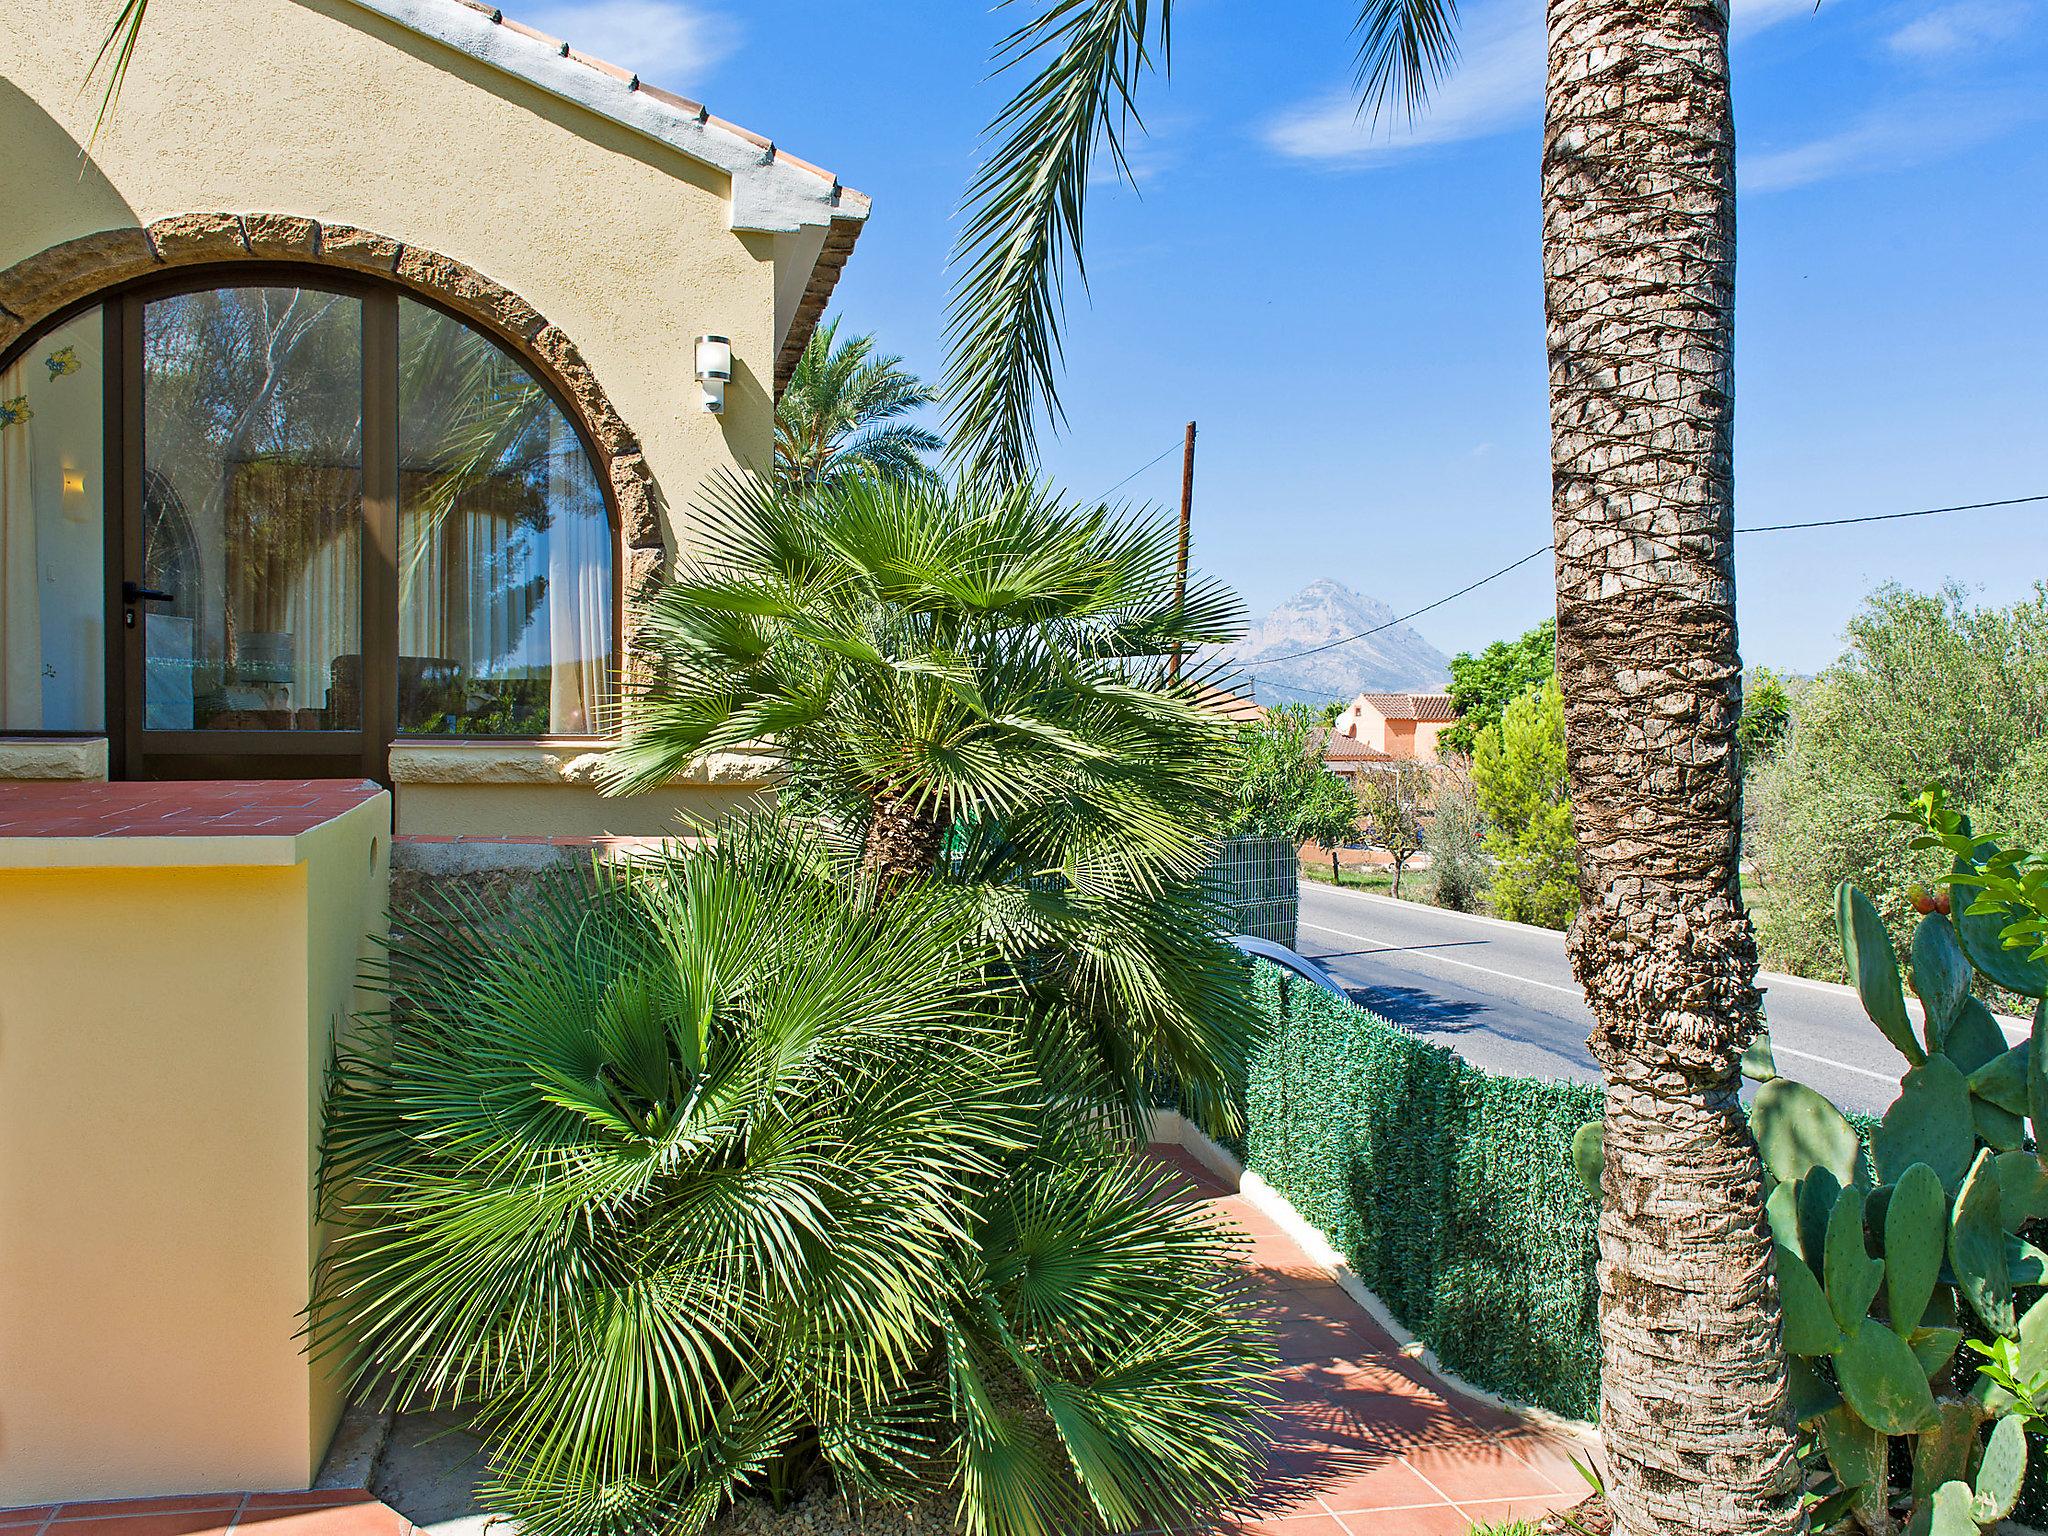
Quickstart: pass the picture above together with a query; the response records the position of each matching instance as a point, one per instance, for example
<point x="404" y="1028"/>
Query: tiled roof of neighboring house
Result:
<point x="1339" y="748"/>
<point x="773" y="191"/>
<point x="1231" y="706"/>
<point x="1428" y="707"/>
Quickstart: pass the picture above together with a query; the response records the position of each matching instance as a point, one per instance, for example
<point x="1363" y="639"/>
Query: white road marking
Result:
<point x="1422" y="954"/>
<point x="1551" y="986"/>
<point x="1829" y="1061"/>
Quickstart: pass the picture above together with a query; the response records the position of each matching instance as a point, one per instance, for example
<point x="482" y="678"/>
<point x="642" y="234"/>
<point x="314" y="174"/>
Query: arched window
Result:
<point x="271" y="525"/>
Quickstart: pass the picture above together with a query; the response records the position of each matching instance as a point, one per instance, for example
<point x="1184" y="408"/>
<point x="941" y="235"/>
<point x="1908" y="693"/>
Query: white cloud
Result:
<point x="1497" y="84"/>
<point x="1964" y="27"/>
<point x="1896" y="135"/>
<point x="670" y="43"/>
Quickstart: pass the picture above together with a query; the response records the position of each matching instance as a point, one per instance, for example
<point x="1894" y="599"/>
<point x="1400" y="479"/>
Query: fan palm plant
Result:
<point x="842" y="414"/>
<point x="690" y="1183"/>
<point x="1638" y="196"/>
<point x="979" y="679"/>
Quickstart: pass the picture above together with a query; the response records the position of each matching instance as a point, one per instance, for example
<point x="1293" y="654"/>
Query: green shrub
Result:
<point x="1453" y="840"/>
<point x="1929" y="691"/>
<point x="1449" y="1191"/>
<point x="1518" y="771"/>
<point x="723" y="1173"/>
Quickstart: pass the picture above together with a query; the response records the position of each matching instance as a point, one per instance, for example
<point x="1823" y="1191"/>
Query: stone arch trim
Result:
<point x="35" y="289"/>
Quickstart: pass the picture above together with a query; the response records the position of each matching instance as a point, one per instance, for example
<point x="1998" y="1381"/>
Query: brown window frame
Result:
<point x="215" y="753"/>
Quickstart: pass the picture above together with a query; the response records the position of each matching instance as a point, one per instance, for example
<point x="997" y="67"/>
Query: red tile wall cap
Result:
<point x="201" y="808"/>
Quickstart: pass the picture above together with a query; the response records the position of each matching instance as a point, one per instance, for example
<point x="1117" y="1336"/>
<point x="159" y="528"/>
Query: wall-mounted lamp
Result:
<point x="72" y="482"/>
<point x="714" y="371"/>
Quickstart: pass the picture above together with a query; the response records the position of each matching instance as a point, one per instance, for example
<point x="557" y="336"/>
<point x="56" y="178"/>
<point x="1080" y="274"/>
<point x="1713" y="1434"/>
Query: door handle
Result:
<point x="132" y="592"/>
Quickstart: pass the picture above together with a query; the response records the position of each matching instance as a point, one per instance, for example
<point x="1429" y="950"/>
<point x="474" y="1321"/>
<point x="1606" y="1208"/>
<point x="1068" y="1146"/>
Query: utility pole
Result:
<point x="1187" y="504"/>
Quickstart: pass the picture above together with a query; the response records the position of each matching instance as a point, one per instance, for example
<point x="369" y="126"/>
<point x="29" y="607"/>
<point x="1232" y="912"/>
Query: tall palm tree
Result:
<point x="842" y="413"/>
<point x="1639" y="258"/>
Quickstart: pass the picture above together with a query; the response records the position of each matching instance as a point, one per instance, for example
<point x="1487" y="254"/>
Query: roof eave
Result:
<point x="772" y="192"/>
<point x="839" y="239"/>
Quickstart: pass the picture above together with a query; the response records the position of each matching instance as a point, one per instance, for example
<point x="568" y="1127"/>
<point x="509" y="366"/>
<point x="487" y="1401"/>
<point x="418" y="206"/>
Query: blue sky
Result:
<point x="1355" y="319"/>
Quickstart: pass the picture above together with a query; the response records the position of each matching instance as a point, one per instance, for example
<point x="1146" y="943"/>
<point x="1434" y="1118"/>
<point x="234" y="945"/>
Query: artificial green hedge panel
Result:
<point x="1450" y="1191"/>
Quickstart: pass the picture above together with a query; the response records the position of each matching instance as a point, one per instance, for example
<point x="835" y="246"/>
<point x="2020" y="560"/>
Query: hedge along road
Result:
<point x="1502" y="996"/>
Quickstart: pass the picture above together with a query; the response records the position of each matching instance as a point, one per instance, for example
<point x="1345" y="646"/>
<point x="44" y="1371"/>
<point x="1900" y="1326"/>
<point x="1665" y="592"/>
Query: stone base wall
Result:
<point x="499" y="875"/>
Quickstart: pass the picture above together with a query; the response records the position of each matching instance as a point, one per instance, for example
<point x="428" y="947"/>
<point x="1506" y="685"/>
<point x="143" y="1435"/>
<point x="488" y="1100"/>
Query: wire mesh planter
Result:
<point x="1257" y="881"/>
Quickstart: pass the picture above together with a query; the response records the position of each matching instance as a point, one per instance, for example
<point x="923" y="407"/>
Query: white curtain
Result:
<point x="21" y="612"/>
<point x="322" y="612"/>
<point x="579" y="599"/>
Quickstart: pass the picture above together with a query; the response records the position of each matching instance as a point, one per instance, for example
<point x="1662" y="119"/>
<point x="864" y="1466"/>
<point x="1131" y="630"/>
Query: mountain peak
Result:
<point x="1393" y="660"/>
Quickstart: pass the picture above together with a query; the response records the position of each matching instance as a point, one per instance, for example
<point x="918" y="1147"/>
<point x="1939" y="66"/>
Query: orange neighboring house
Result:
<point x="1346" y="756"/>
<point x="1401" y="726"/>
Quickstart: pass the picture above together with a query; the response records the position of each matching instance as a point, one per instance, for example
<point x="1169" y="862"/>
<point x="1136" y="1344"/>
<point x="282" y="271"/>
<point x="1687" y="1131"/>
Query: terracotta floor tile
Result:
<point x="1292" y="1525"/>
<point x="176" y="1504"/>
<point x="190" y="1523"/>
<point x="1501" y="1511"/>
<point x="1252" y="1219"/>
<point x="1390" y="1485"/>
<point x="1479" y="1469"/>
<point x="1430" y="1520"/>
<point x="371" y="1519"/>
<point x="1367" y="1443"/>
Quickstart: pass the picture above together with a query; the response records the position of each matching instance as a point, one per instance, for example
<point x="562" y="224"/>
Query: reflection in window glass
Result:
<point x="52" y="554"/>
<point x="252" y="508"/>
<point x="505" y="548"/>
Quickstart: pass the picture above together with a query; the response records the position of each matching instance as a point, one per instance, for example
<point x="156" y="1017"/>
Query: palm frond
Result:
<point x="1103" y="1356"/>
<point x="1024" y="215"/>
<point x="116" y="52"/>
<point x="1405" y="47"/>
<point x="667" y="1173"/>
<point x="840" y="414"/>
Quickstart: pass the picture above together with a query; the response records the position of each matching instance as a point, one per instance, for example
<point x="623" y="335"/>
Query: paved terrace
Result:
<point x="1369" y="1443"/>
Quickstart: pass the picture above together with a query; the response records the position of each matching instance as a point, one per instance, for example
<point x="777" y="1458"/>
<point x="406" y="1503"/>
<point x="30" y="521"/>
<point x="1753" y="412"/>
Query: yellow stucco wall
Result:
<point x="164" y="1033"/>
<point x="318" y="108"/>
<point x="323" y="109"/>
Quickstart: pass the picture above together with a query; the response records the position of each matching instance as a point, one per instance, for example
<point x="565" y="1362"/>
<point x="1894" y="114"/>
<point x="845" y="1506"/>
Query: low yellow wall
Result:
<point x="164" y="1034"/>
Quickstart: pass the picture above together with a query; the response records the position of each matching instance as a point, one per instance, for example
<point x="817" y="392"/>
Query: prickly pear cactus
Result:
<point x="1885" y="1265"/>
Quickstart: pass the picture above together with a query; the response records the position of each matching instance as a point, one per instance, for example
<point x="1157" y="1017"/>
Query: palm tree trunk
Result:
<point x="904" y="841"/>
<point x="1639" y="269"/>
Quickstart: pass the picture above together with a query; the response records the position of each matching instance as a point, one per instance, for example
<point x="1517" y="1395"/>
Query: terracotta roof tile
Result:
<point x="859" y="203"/>
<point x="1429" y="707"/>
<point x="1232" y="706"/>
<point x="1338" y="748"/>
<point x="846" y="207"/>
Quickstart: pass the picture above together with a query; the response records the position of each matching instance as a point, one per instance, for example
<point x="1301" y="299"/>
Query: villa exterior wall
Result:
<point x="326" y="110"/>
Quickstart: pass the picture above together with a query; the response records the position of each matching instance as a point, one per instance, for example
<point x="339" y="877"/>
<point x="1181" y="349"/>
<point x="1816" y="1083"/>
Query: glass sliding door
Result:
<point x="263" y="528"/>
<point x="504" y="546"/>
<point x="250" y="597"/>
<point x="53" y="570"/>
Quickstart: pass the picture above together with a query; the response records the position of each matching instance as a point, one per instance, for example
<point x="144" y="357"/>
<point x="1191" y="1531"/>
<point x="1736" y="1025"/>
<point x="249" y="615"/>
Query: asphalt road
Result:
<point x="1502" y="996"/>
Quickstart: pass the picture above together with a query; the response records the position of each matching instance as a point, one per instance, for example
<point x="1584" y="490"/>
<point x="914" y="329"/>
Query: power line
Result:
<point x="1892" y="517"/>
<point x="1173" y="447"/>
<point x="1825" y="522"/>
<point x="1257" y="683"/>
<point x="1329" y="645"/>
